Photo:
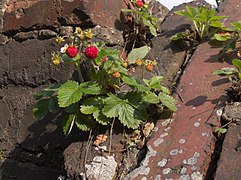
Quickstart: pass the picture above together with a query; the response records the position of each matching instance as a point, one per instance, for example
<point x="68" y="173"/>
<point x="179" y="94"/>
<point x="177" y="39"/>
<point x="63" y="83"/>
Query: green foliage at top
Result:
<point x="205" y="21"/>
<point x="231" y="71"/>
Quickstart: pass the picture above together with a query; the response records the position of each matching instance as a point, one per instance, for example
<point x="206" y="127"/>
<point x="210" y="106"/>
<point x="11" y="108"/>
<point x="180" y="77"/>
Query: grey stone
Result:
<point x="22" y="36"/>
<point x="102" y="168"/>
<point x="110" y="36"/>
<point x="66" y="30"/>
<point x="232" y="112"/>
<point x="3" y="39"/>
<point x="46" y="34"/>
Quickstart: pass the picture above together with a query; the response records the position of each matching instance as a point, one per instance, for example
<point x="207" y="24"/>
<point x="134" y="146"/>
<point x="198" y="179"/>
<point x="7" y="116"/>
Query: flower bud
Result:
<point x="149" y="67"/>
<point x="116" y="74"/>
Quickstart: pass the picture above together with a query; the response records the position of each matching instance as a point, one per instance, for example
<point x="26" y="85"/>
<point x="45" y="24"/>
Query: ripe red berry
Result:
<point x="139" y="3"/>
<point x="91" y="52"/>
<point x="72" y="51"/>
<point x="116" y="74"/>
<point x="149" y="67"/>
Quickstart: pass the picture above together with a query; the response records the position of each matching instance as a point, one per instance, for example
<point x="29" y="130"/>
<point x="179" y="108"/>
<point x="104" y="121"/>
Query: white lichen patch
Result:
<point x="194" y="168"/>
<point x="182" y="141"/>
<point x="166" y="170"/>
<point x="184" y="177"/>
<point x="197" y="124"/>
<point x="174" y="152"/>
<point x="151" y="152"/>
<point x="163" y="135"/>
<point x="142" y="170"/>
<point x="192" y="161"/>
<point x="158" y="141"/>
<point x="162" y="163"/>
<point x="205" y="134"/>
<point x="158" y="177"/>
<point x="219" y="112"/>
<point x="183" y="170"/>
<point x="196" y="176"/>
<point x="196" y="154"/>
<point x="167" y="121"/>
<point x="144" y="178"/>
<point x="180" y="151"/>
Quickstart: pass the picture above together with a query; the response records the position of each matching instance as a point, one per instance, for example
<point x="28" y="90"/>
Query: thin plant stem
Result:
<point x="111" y="132"/>
<point x="87" y="151"/>
<point x="79" y="72"/>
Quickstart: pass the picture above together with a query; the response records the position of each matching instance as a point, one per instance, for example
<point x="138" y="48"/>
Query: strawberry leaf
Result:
<point x="167" y="101"/>
<point x="126" y="113"/>
<point x="41" y="109"/>
<point x="69" y="93"/>
<point x="84" y="122"/>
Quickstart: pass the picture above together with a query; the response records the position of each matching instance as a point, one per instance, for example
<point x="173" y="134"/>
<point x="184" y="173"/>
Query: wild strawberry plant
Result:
<point x="98" y="99"/>
<point x="206" y="23"/>
<point x="140" y="24"/>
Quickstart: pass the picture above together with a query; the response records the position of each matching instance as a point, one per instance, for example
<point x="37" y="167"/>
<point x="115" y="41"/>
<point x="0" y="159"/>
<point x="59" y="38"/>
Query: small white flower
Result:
<point x="63" y="49"/>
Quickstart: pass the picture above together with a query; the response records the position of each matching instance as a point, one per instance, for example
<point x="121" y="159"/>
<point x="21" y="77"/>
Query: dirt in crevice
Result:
<point x="216" y="153"/>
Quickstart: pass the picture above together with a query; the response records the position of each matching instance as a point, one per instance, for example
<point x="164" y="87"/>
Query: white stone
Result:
<point x="101" y="168"/>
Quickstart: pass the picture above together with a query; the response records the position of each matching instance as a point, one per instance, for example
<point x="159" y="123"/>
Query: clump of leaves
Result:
<point x="140" y="23"/>
<point x="98" y="99"/>
<point x="229" y="36"/>
<point x="234" y="75"/>
<point x="206" y="23"/>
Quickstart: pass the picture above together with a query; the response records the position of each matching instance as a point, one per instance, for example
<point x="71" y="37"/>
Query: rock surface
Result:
<point x="24" y="14"/>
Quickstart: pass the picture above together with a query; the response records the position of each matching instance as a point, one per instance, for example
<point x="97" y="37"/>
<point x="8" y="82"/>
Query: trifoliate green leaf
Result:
<point x="84" y="122"/>
<point x="225" y="71"/>
<point x="237" y="63"/>
<point x="167" y="101"/>
<point x="94" y="106"/>
<point x="126" y="113"/>
<point x="221" y="37"/>
<point x="237" y="25"/>
<point x="69" y="93"/>
<point x="130" y="81"/>
<point x="68" y="122"/>
<point x="164" y="89"/>
<point x="138" y="53"/>
<point x="72" y="109"/>
<point x="151" y="98"/>
<point x="90" y="109"/>
<point x="155" y="82"/>
<point x="178" y="36"/>
<point x="221" y="130"/>
<point x="90" y="88"/>
<point x="53" y="106"/>
<point x="41" y="109"/>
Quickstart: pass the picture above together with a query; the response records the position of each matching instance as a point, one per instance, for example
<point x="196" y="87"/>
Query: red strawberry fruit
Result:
<point x="91" y="52"/>
<point x="72" y="51"/>
<point x="139" y="3"/>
